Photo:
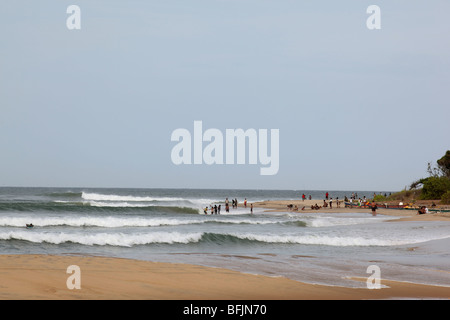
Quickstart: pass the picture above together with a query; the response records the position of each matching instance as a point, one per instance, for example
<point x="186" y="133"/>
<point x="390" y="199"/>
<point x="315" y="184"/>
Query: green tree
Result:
<point x="438" y="183"/>
<point x="444" y="164"/>
<point x="435" y="187"/>
<point x="445" y="199"/>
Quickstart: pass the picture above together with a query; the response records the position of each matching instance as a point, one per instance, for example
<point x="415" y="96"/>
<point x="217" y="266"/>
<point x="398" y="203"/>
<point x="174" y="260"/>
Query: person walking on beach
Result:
<point x="331" y="203"/>
<point x="245" y="203"/>
<point x="251" y="208"/>
<point x="326" y="195"/>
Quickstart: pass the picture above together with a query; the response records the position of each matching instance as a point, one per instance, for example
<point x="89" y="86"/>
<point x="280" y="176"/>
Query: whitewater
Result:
<point x="169" y="225"/>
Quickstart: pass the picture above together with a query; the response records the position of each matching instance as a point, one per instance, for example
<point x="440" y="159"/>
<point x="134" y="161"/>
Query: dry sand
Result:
<point x="44" y="276"/>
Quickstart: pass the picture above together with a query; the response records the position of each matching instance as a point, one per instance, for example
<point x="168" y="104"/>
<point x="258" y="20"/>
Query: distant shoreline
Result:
<point x="406" y="215"/>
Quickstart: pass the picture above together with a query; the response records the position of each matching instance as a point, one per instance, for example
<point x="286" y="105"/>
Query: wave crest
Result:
<point x="128" y="240"/>
<point x="114" y="197"/>
<point x="102" y="239"/>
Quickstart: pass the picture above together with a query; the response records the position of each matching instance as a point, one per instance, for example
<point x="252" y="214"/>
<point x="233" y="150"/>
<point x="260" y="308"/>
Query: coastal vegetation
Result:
<point x="434" y="187"/>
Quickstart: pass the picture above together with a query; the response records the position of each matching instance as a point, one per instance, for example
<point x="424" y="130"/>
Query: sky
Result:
<point x="356" y="109"/>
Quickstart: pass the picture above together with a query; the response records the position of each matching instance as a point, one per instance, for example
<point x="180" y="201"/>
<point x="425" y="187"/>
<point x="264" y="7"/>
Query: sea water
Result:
<point x="169" y="225"/>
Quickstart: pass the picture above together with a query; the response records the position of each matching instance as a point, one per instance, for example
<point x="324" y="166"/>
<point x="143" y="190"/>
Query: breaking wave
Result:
<point x="119" y="222"/>
<point x="102" y="239"/>
<point x="91" y="206"/>
<point x="128" y="240"/>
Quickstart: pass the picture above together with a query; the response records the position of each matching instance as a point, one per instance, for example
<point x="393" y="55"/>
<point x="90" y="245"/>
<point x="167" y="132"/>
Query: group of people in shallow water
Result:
<point x="215" y="209"/>
<point x="316" y="206"/>
<point x="328" y="202"/>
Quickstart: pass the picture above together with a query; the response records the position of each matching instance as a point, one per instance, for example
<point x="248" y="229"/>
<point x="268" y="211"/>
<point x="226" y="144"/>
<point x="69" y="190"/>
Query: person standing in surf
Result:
<point x="374" y="207"/>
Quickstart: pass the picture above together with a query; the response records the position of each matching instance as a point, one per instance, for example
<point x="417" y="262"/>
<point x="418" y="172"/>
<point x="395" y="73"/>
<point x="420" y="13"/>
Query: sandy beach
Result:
<point x="42" y="277"/>
<point x="45" y="276"/>
<point x="406" y="215"/>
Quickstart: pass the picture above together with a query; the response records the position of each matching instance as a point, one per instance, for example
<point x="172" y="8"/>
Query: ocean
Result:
<point x="169" y="225"/>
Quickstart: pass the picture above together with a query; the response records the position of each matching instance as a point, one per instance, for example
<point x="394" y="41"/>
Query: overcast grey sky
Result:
<point x="357" y="109"/>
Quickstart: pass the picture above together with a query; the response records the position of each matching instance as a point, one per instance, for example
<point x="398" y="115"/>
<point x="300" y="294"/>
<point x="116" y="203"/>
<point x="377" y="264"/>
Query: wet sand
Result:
<point x="42" y="277"/>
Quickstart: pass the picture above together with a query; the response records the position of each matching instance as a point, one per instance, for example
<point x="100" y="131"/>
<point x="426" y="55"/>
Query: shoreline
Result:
<point x="405" y="215"/>
<point x="44" y="277"/>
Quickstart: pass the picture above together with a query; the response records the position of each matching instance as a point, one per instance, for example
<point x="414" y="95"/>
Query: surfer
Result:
<point x="29" y="225"/>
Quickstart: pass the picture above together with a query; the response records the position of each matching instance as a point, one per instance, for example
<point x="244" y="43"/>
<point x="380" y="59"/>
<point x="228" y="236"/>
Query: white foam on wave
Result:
<point x="114" y="197"/>
<point x="102" y="239"/>
<point x="318" y="222"/>
<point x="314" y="239"/>
<point x="86" y="221"/>
<point x="131" y="239"/>
<point x="113" y="200"/>
<point x="117" y="222"/>
<point x="119" y="204"/>
<point x="239" y="220"/>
